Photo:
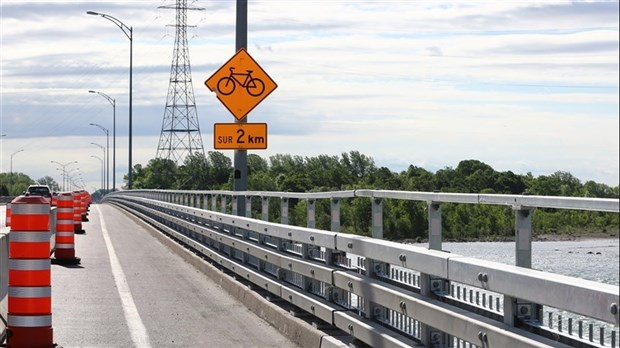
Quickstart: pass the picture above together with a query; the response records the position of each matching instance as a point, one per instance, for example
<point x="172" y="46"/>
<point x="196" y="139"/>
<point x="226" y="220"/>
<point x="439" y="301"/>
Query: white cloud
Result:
<point x="406" y="82"/>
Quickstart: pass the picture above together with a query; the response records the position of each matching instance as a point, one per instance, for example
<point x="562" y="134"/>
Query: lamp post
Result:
<point x="11" y="170"/>
<point x="107" y="171"/>
<point x="102" y="148"/>
<point x="99" y="158"/>
<point x="113" y="102"/>
<point x="71" y="182"/>
<point x="64" y="171"/>
<point x="67" y="175"/>
<point x="128" y="31"/>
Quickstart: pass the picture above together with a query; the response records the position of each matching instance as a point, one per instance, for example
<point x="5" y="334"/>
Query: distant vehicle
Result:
<point x="39" y="190"/>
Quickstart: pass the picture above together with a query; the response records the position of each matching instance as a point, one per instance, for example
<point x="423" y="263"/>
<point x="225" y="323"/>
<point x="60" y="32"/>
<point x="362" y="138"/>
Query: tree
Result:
<point x="195" y="172"/>
<point x="49" y="181"/>
<point x="358" y="165"/>
<point x="221" y="170"/>
<point x="159" y="173"/>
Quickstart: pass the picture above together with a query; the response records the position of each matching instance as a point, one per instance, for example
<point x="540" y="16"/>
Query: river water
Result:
<point x="593" y="259"/>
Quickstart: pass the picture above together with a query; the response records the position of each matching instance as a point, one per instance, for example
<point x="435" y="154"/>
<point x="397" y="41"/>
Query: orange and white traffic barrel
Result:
<point x="7" y="221"/>
<point x="64" y="251"/>
<point x="77" y="212"/>
<point x="54" y="201"/>
<point x="84" y="205"/>
<point x="30" y="292"/>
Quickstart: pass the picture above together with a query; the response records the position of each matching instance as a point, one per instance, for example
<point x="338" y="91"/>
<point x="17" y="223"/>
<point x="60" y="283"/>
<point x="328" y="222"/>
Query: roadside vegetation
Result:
<point x="404" y="220"/>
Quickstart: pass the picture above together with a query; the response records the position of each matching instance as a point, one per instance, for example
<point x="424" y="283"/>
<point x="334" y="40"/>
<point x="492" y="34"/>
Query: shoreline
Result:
<point x="574" y="237"/>
<point x="537" y="238"/>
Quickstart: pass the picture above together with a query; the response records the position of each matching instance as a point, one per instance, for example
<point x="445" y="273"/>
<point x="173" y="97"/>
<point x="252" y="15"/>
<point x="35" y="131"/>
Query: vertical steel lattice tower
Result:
<point x="180" y="133"/>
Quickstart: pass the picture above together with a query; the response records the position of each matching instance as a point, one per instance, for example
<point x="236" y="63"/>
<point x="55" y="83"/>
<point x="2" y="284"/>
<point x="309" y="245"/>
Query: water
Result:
<point x="596" y="259"/>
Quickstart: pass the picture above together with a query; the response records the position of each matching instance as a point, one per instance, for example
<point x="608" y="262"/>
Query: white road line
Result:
<point x="137" y="329"/>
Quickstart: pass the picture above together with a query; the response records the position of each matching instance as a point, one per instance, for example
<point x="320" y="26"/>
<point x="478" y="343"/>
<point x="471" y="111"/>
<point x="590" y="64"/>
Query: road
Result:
<point x="131" y="290"/>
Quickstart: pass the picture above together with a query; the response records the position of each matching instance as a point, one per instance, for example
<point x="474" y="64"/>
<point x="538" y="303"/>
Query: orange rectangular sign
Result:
<point x="240" y="136"/>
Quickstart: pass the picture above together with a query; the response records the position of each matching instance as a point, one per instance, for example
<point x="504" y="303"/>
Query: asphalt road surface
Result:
<point x="132" y="291"/>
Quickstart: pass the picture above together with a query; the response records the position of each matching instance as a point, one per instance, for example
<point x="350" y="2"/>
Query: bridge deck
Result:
<point x="177" y="305"/>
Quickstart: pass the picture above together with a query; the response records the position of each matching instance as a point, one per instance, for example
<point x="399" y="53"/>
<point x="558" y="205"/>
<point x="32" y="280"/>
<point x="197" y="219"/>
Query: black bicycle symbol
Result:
<point x="255" y="86"/>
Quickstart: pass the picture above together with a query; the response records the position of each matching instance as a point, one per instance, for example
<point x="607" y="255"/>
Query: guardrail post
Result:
<point x="377" y="218"/>
<point x="523" y="258"/>
<point x="264" y="208"/>
<point x="223" y="204"/>
<point x="374" y="311"/>
<point x="335" y="215"/>
<point x="214" y="202"/>
<point x="234" y="205"/>
<point x="434" y="226"/>
<point x="248" y="206"/>
<point x="425" y="290"/>
<point x="284" y="210"/>
<point x="523" y="237"/>
<point x="311" y="210"/>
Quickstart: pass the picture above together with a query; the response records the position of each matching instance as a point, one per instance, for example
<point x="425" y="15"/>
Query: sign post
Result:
<point x="240" y="84"/>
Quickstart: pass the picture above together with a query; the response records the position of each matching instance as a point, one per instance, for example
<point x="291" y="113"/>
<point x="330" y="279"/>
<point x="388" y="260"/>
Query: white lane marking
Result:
<point x="137" y="329"/>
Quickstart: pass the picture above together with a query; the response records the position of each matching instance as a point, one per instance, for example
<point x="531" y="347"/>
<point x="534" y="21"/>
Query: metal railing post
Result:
<point x="523" y="258"/>
<point x="523" y="237"/>
<point x="311" y="210"/>
<point x="284" y="210"/>
<point x="248" y="206"/>
<point x="335" y="214"/>
<point x="223" y="204"/>
<point x="264" y="208"/>
<point x="434" y="226"/>
<point x="234" y="205"/>
<point x="214" y="202"/>
<point x="377" y="218"/>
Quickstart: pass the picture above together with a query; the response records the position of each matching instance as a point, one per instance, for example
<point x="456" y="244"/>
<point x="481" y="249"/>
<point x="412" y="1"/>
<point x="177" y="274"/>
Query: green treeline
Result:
<point x="402" y="219"/>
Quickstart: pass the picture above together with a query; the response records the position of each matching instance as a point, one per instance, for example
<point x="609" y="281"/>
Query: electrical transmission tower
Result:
<point x="180" y="133"/>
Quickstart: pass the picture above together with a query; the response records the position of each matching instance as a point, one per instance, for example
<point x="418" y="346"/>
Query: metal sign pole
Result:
<point x="240" y="181"/>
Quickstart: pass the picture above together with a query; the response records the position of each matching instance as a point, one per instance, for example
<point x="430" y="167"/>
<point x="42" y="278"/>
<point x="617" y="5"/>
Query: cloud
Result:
<point x="406" y="82"/>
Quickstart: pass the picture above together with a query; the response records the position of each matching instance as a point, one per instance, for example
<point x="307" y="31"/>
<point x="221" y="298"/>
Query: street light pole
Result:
<point x="99" y="158"/>
<point x="128" y="31"/>
<point x="113" y="102"/>
<point x="64" y="171"/>
<point x="67" y="175"/>
<point x="11" y="170"/>
<point x="107" y="136"/>
<point x="102" y="148"/>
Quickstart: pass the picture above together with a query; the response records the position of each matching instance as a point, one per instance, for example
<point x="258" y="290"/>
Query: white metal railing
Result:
<point x="382" y="291"/>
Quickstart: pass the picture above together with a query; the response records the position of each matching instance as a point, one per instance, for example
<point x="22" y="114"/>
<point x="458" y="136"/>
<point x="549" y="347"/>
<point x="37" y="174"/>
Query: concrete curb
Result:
<point x="295" y="329"/>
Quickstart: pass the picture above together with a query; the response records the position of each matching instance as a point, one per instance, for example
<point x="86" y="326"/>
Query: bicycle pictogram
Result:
<point x="227" y="84"/>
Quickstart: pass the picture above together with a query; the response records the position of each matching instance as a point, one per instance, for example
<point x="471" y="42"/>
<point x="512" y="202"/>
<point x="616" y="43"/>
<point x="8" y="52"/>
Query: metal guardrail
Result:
<point x="385" y="293"/>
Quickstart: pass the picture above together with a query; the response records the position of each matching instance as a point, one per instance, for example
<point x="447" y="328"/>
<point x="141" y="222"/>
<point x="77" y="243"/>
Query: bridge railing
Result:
<point x="387" y="293"/>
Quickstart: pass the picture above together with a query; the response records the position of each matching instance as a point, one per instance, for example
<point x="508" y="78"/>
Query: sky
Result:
<point x="523" y="86"/>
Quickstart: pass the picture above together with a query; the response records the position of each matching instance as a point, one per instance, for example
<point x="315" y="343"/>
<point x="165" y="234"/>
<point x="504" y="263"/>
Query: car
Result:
<point x="39" y="190"/>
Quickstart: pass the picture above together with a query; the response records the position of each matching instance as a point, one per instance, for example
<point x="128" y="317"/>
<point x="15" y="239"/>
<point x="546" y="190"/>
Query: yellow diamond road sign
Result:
<point x="241" y="84"/>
